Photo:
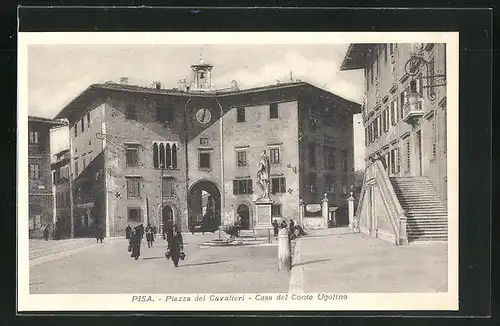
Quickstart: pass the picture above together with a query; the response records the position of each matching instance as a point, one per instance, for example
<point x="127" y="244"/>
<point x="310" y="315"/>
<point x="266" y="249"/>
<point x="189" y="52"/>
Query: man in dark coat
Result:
<point x="99" y="233"/>
<point x="46" y="233"/>
<point x="135" y="242"/>
<point x="292" y="226"/>
<point x="149" y="235"/>
<point x="275" y="227"/>
<point x="128" y="230"/>
<point x="175" y="245"/>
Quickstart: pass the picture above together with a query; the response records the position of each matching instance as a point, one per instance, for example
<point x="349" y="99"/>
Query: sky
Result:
<point x="58" y="73"/>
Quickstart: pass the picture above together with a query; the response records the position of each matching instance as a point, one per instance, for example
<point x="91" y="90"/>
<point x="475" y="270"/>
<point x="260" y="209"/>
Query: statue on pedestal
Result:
<point x="263" y="175"/>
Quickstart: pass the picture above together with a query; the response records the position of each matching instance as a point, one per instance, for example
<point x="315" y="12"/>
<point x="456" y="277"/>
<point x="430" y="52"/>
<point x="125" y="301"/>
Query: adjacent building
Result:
<point x="62" y="201"/>
<point x="189" y="155"/>
<point x="404" y="113"/>
<point x="39" y="174"/>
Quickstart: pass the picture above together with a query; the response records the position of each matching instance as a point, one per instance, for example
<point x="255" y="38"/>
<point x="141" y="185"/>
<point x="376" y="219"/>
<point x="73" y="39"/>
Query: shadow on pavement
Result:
<point x="206" y="263"/>
<point x="311" y="262"/>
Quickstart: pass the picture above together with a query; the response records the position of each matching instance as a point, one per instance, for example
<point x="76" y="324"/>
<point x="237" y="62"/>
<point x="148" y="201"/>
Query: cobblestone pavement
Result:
<point x="108" y="268"/>
<point x="336" y="261"/>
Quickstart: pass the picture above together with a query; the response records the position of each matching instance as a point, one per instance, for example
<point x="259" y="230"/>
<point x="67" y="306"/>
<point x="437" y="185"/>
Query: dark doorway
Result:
<point x="244" y="213"/>
<point x="167" y="216"/>
<point x="204" y="204"/>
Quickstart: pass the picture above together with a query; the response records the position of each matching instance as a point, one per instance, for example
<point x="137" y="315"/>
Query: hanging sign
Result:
<point x="313" y="208"/>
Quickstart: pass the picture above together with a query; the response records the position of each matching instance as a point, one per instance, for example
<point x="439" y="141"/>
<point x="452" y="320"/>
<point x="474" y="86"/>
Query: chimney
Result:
<point x="124" y="80"/>
<point x="158" y="85"/>
<point x="234" y="85"/>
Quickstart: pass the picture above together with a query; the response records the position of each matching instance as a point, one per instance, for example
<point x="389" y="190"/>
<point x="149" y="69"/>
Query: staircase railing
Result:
<point x="397" y="215"/>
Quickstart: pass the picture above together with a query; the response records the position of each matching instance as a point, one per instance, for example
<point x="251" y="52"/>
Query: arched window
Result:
<point x="162" y="156"/>
<point x="168" y="156"/>
<point x="174" y="156"/>
<point x="155" y="155"/>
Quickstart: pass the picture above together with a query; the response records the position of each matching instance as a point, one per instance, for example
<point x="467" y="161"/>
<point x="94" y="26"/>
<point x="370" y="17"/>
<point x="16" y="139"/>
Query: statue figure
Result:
<point x="263" y="175"/>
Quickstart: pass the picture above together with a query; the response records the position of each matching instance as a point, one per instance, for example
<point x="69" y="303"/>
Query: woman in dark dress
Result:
<point x="275" y="228"/>
<point x="135" y="242"/>
<point x="128" y="230"/>
<point x="175" y="245"/>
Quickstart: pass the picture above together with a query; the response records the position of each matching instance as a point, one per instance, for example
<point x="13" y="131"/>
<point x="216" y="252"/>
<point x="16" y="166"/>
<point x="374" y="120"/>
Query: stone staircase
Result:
<point x="427" y="217"/>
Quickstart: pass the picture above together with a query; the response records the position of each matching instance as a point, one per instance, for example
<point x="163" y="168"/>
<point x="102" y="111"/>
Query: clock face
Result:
<point x="203" y="116"/>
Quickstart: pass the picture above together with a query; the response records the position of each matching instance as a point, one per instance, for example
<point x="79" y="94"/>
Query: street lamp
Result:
<point x="413" y="67"/>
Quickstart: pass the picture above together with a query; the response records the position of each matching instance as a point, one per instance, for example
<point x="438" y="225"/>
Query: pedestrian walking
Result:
<point x="175" y="246"/>
<point x="99" y="234"/>
<point x="46" y="233"/>
<point x="275" y="228"/>
<point x="149" y="236"/>
<point x="135" y="242"/>
<point x="292" y="226"/>
<point x="128" y="230"/>
<point x="155" y="232"/>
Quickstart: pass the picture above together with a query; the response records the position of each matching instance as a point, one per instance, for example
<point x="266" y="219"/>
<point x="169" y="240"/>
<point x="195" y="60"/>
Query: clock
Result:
<point x="203" y="116"/>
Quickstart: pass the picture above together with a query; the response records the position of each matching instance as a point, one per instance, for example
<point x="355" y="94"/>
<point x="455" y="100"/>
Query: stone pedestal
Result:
<point x="263" y="216"/>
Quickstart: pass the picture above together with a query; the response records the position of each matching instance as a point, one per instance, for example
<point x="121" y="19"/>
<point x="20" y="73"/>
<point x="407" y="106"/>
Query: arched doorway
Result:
<point x="204" y="205"/>
<point x="244" y="213"/>
<point x="167" y="217"/>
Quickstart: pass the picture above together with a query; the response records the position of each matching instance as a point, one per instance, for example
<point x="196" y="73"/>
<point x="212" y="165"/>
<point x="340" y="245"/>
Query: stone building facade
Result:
<point x="404" y="197"/>
<point x="39" y="174"/>
<point x="189" y="156"/>
<point x="411" y="142"/>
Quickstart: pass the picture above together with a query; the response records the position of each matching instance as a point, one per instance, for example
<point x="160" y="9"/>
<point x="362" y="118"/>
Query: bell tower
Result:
<point x="202" y="76"/>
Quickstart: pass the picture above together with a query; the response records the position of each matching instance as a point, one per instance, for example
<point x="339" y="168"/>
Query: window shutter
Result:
<point x="283" y="185"/>
<point x="250" y="186"/>
<point x="235" y="187"/>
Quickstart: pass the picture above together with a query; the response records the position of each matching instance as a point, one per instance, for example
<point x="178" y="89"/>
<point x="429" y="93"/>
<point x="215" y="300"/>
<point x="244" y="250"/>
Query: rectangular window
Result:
<point x="131" y="114"/>
<point x="394" y="161"/>
<point x="164" y="114"/>
<point x="132" y="157"/>
<point x="391" y="48"/>
<point x="84" y="160"/>
<point x="168" y="187"/>
<point x="312" y="154"/>
<point x="133" y="187"/>
<point x="274" y="154"/>
<point x="330" y="184"/>
<point x="278" y="185"/>
<point x="204" y="141"/>
<point x="241" y="158"/>
<point x="204" y="160"/>
<point x="134" y="214"/>
<point x="34" y="171"/>
<point x="312" y="182"/>
<point x="82" y="124"/>
<point x="88" y="120"/>
<point x="273" y="111"/>
<point x="34" y="137"/>
<point x="394" y="112"/>
<point x="344" y="161"/>
<point x="276" y="210"/>
<point x="329" y="157"/>
<point x="75" y="129"/>
<point x="431" y="79"/>
<point x="76" y="168"/>
<point x="372" y="72"/>
<point x="240" y="115"/>
<point x="242" y="187"/>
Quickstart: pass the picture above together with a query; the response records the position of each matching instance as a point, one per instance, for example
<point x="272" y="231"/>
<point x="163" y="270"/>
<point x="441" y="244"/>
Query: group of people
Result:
<point x="294" y="230"/>
<point x="175" y="244"/>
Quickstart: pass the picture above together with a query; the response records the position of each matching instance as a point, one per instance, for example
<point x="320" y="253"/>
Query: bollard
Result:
<point x="284" y="251"/>
<point x="268" y="235"/>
